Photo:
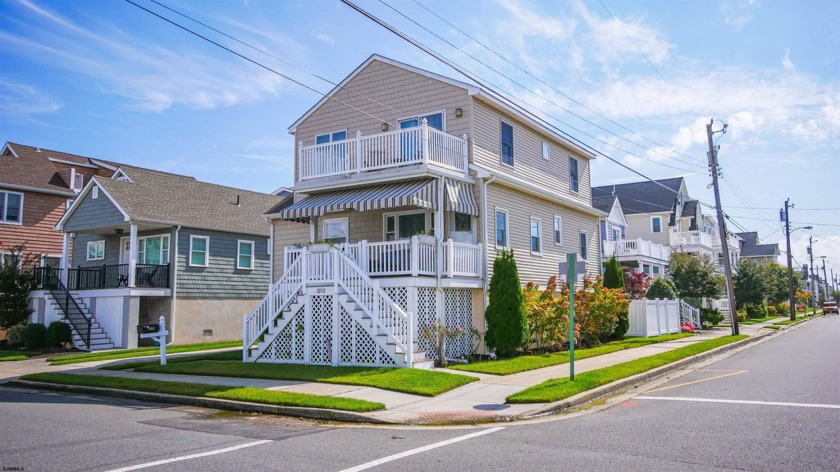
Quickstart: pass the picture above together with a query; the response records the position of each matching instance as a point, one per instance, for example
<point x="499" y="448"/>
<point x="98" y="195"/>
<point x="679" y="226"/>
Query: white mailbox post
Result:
<point x="161" y="338"/>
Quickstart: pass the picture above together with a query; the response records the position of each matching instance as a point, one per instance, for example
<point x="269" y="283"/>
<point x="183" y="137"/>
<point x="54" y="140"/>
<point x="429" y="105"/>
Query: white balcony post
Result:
<point x="464" y="152"/>
<point x="478" y="260"/>
<point x="409" y="350"/>
<point x="415" y="255"/>
<point x="304" y="265"/>
<point x="301" y="161"/>
<point x="424" y="132"/>
<point x="358" y="151"/>
<point x="65" y="258"/>
<point x="132" y="258"/>
<point x="362" y="258"/>
<point x="450" y="258"/>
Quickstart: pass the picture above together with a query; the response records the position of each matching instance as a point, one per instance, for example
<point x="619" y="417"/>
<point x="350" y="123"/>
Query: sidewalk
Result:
<point x="481" y="401"/>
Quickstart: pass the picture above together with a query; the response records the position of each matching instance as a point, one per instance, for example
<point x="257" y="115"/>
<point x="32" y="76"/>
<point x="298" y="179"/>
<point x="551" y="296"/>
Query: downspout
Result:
<point x="175" y="286"/>
<point x="270" y="254"/>
<point x="486" y="237"/>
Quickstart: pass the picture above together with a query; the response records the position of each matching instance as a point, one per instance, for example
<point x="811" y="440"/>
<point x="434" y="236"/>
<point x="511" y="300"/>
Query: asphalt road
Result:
<point x="773" y="406"/>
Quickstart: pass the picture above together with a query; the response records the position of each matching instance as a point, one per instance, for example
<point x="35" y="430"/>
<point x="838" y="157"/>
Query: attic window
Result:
<point x="77" y="180"/>
<point x="120" y="175"/>
<point x="94" y="193"/>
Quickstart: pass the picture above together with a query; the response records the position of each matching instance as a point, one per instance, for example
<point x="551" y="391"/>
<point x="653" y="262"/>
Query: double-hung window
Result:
<point x="584" y="249"/>
<point x="153" y="250"/>
<point x="546" y="150"/>
<point x="656" y="224"/>
<point x="574" y="181"/>
<point x="507" y="143"/>
<point x="199" y="251"/>
<point x="245" y="255"/>
<point x="335" y="230"/>
<point x="405" y="225"/>
<point x="11" y="207"/>
<point x="96" y="250"/>
<point x="536" y="236"/>
<point x="558" y="230"/>
<point x="501" y="228"/>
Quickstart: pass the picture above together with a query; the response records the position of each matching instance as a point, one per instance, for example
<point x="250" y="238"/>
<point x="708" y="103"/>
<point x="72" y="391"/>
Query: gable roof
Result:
<point x="171" y="199"/>
<point x="643" y="197"/>
<point x="489" y="96"/>
<point x="604" y="203"/>
<point x="30" y="167"/>
<point x="751" y="246"/>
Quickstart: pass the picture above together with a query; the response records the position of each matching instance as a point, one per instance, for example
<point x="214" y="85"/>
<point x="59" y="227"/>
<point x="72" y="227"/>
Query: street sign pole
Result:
<point x="571" y="258"/>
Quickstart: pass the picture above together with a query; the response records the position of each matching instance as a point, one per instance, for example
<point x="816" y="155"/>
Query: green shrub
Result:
<point x="58" y="333"/>
<point x="614" y="278"/>
<point x="14" y="335"/>
<point x="771" y="310"/>
<point x="783" y="308"/>
<point x="661" y="288"/>
<point x="710" y="316"/>
<point x="742" y="315"/>
<point x="35" y="335"/>
<point x="756" y="310"/>
<point x="507" y="326"/>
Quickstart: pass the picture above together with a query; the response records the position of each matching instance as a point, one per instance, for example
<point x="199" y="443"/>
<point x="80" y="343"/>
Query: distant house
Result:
<point x="148" y="243"/>
<point x="639" y="254"/>
<point x="662" y="212"/>
<point x="753" y="249"/>
<point x="418" y="182"/>
<point x="36" y="187"/>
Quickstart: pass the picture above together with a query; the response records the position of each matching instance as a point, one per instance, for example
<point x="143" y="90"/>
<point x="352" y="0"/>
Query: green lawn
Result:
<point x="558" y="389"/>
<point x="415" y="381"/>
<point x="11" y="355"/>
<point x="216" y="356"/>
<point x="752" y="321"/>
<point x="138" y="352"/>
<point x="246" y="394"/>
<point x="771" y="327"/>
<point x="537" y="361"/>
<point x="799" y="319"/>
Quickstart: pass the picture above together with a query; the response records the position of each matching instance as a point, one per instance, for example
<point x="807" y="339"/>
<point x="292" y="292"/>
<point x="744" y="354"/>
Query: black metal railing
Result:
<point x="72" y="311"/>
<point x="116" y="276"/>
<point x="45" y="276"/>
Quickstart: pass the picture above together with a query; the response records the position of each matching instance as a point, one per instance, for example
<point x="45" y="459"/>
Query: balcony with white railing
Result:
<point x="693" y="238"/>
<point x="636" y="249"/>
<point x="418" y="146"/>
<point x="416" y="257"/>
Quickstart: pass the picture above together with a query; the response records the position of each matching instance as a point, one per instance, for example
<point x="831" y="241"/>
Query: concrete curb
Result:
<point x="217" y="403"/>
<point x="631" y="382"/>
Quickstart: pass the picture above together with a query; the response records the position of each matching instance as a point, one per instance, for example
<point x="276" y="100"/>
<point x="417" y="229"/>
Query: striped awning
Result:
<point x="415" y="193"/>
<point x="460" y="197"/>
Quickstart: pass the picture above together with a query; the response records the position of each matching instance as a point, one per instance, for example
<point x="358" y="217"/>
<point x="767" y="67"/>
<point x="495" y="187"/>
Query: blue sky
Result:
<point x="106" y="79"/>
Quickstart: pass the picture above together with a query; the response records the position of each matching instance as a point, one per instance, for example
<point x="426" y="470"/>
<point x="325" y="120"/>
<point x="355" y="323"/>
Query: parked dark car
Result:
<point x="829" y="307"/>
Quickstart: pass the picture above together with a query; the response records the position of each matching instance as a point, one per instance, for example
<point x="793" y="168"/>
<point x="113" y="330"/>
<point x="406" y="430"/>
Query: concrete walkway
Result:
<point x="483" y="400"/>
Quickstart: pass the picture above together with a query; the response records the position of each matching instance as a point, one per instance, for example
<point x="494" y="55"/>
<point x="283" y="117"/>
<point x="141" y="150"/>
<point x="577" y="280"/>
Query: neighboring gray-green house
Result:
<point x="145" y="243"/>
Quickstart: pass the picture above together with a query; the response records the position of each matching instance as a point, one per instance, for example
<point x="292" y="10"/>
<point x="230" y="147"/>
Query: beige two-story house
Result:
<point x="416" y="181"/>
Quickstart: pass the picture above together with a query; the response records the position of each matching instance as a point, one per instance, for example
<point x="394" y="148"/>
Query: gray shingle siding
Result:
<point x="112" y="250"/>
<point x="221" y="279"/>
<point x="94" y="214"/>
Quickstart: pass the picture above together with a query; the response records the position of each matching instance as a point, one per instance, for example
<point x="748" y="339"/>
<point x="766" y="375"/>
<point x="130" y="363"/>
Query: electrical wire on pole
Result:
<point x="792" y="300"/>
<point x="724" y="245"/>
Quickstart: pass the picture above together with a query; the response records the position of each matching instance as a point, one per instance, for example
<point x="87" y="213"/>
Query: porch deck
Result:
<point x="107" y="276"/>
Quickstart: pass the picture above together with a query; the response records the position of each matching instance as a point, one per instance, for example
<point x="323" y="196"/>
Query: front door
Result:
<point x="125" y="250"/>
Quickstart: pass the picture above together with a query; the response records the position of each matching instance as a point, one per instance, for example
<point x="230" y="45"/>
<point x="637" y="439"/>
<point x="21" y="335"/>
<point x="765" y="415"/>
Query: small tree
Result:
<point x="636" y="283"/>
<point x="548" y="325"/>
<point x="614" y="279"/>
<point x="776" y="280"/>
<point x="16" y="282"/>
<point x="507" y="328"/>
<point x="695" y="277"/>
<point x="661" y="288"/>
<point x="596" y="311"/>
<point x="749" y="281"/>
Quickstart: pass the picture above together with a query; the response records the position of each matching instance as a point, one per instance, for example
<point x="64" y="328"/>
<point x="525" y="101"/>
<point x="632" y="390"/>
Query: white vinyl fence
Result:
<point x="654" y="317"/>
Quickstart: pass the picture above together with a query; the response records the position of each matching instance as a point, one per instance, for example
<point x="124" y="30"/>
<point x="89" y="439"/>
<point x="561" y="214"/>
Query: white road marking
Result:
<point x="411" y="452"/>
<point x="191" y="456"/>
<point x="742" y="402"/>
<point x="699" y="381"/>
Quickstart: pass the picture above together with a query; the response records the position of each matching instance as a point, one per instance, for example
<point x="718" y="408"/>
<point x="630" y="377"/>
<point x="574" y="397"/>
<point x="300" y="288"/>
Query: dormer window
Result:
<point x="77" y="180"/>
<point x="120" y="175"/>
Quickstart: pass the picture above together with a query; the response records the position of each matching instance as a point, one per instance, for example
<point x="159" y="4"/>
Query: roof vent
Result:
<point x="37" y="149"/>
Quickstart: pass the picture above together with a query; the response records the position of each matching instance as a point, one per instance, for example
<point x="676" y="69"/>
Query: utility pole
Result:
<point x="791" y="296"/>
<point x="811" y="282"/>
<point x="825" y="279"/>
<point x="713" y="168"/>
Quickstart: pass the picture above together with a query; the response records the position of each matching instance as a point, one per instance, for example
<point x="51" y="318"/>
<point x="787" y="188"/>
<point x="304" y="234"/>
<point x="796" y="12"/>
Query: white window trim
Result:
<point x="239" y="243"/>
<point x="512" y="145"/>
<point x="396" y="214"/>
<point x="417" y="117"/>
<point x="546" y="150"/>
<point x="538" y="252"/>
<point x="332" y="220"/>
<point x="585" y="234"/>
<point x="652" y="230"/>
<point x="558" y="219"/>
<point x="143" y="238"/>
<point x="6" y="206"/>
<point x="346" y="136"/>
<point x="94" y="193"/>
<point x="193" y="237"/>
<point x="578" y="174"/>
<point x="507" y="228"/>
<point x="73" y="175"/>
<point x="87" y="253"/>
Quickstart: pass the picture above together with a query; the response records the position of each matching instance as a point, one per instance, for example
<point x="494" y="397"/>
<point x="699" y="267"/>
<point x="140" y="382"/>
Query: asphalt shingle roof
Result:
<point x="642" y="197"/>
<point x="604" y="203"/>
<point x="32" y="168"/>
<point x="752" y="248"/>
<point x="182" y="200"/>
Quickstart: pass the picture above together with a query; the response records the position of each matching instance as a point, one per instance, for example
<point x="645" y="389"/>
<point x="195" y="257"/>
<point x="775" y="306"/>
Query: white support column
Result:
<point x="414" y="255"/>
<point x="300" y="160"/>
<point x="65" y="258"/>
<point x="441" y="204"/>
<point x="132" y="259"/>
<point x="424" y="132"/>
<point x="358" y="162"/>
<point x="450" y="258"/>
<point x="362" y="258"/>
<point x="465" y="154"/>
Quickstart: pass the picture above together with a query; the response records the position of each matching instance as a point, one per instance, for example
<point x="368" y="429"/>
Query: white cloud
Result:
<point x="22" y="99"/>
<point x="325" y="38"/>
<point x="786" y="62"/>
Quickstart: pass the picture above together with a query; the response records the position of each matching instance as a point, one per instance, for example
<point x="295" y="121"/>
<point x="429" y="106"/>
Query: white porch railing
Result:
<point x="403" y="147"/>
<point x="692" y="238"/>
<point x="690" y="314"/>
<point x="278" y="298"/>
<point x="413" y="257"/>
<point x="637" y="248"/>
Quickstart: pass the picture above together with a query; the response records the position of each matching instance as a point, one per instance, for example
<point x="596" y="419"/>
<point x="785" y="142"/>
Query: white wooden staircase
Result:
<point x="326" y="310"/>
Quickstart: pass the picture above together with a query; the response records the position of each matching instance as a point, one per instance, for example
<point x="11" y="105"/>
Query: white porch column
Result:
<point x="132" y="258"/>
<point x="441" y="204"/>
<point x="424" y="140"/>
<point x="65" y="258"/>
